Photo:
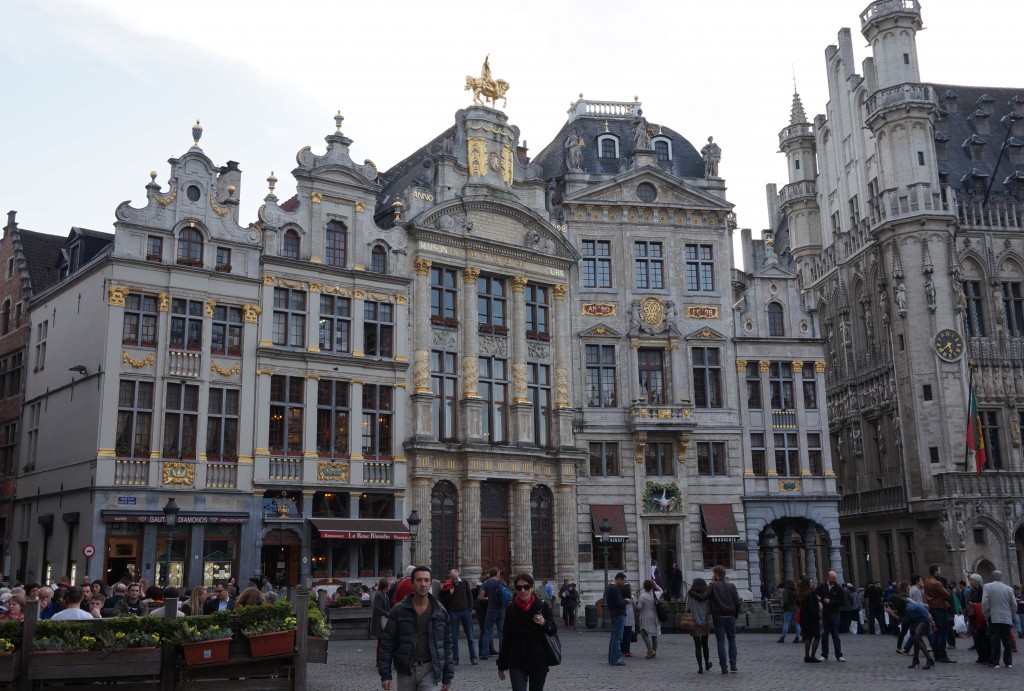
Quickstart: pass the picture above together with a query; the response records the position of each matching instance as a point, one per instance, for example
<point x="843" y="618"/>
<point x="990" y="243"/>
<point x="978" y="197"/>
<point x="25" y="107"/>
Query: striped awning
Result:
<point x="719" y="523"/>
<point x="616" y="521"/>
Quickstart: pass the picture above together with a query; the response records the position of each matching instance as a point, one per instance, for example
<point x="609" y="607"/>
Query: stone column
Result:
<point x="522" y="410"/>
<point x="422" y="397"/>
<point x="471" y="407"/>
<point x="520" y="524"/>
<point x="469" y="525"/>
<point x="419" y="500"/>
<point x="810" y="553"/>
<point x="768" y="562"/>
<point x="787" y="557"/>
<point x="561" y="340"/>
<point x="566" y="560"/>
<point x="836" y="557"/>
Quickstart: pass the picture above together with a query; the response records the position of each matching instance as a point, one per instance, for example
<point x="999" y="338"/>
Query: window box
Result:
<point x="538" y="336"/>
<point x="153" y="257"/>
<point x="190" y="262"/>
<point x="223" y="268"/>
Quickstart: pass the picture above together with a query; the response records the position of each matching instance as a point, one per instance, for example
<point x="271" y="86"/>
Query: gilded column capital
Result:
<point x="470" y="274"/>
<point x="251" y="313"/>
<point x="559" y="290"/>
<point x="116" y="295"/>
<point x="819" y="366"/>
<point x="211" y="305"/>
<point x="421" y="265"/>
<point x="518" y="284"/>
<point x="798" y="366"/>
<point x="765" y="365"/>
<point x="741" y="365"/>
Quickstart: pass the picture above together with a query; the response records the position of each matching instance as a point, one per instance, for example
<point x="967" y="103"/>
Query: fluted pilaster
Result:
<point x="566" y="558"/>
<point x="419" y="499"/>
<point x="469" y="526"/>
<point x="522" y="535"/>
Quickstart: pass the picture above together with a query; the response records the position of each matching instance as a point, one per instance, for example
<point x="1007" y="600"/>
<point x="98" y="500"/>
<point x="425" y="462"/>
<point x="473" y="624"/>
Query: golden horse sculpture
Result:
<point x="491" y="89"/>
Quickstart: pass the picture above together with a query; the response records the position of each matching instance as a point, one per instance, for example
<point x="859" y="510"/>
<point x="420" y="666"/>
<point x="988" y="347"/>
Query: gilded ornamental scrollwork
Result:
<point x="561" y="388"/>
<point x="217" y="209"/>
<point x="179" y="473"/>
<point x="251" y="313"/>
<point x="164" y="302"/>
<point x="469" y="377"/>
<point x="764" y="366"/>
<point x="559" y="290"/>
<point x="148" y="361"/>
<point x="741" y="365"/>
<point x="164" y="201"/>
<point x="519" y="383"/>
<point x="211" y="305"/>
<point x="519" y="283"/>
<point x="819" y="366"/>
<point x="470" y="274"/>
<point x="332" y="472"/>
<point x="421" y="265"/>
<point x="225" y="371"/>
<point x="798" y="366"/>
<point x="421" y="373"/>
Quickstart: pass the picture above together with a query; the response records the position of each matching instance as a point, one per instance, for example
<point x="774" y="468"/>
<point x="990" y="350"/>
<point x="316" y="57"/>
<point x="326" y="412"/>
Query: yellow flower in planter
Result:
<point x="6" y="645"/>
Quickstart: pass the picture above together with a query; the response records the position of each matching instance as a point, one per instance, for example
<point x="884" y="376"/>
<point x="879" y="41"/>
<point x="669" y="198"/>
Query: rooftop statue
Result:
<point x="489" y="88"/>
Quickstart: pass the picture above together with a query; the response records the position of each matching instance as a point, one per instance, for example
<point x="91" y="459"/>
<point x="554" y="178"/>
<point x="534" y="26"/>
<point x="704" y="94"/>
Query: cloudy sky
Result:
<point x="99" y="92"/>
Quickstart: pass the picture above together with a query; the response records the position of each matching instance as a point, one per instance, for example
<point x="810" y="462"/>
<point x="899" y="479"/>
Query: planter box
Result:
<point x="270" y="644"/>
<point x="316" y="650"/>
<point x="10" y="662"/>
<point x="129" y="662"/>
<point x="206" y="652"/>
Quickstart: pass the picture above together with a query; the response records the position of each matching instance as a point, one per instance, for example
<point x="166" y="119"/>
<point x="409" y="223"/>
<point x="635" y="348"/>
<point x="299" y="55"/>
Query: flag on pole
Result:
<point x="975" y="439"/>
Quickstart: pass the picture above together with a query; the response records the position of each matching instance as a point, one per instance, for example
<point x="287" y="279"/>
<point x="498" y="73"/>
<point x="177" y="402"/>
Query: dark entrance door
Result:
<point x="279" y="558"/>
<point x="494" y="538"/>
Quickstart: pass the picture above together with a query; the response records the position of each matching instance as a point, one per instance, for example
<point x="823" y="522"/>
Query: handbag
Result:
<point x="552" y="649"/>
<point x="686" y="623"/>
<point x="661" y="610"/>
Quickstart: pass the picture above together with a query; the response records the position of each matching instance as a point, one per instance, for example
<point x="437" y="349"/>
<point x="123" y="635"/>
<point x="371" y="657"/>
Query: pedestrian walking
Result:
<point x="725" y="607"/>
<point x="417" y="641"/>
<point x="698" y="603"/>
<point x="810" y="618"/>
<point x="915" y="618"/>
<point x="789" y="609"/>
<point x="523" y="651"/>
<point x="647" y="616"/>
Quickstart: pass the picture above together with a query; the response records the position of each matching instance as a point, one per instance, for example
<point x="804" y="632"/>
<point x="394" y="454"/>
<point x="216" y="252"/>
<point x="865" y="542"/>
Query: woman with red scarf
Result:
<point x="523" y="650"/>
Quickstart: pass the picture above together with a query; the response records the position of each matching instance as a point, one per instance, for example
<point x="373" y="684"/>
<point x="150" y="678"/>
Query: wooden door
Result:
<point x="494" y="547"/>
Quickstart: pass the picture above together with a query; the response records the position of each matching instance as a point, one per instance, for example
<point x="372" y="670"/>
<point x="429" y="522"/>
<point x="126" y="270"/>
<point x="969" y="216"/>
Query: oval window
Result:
<point x="193" y="193"/>
<point x="645" y="192"/>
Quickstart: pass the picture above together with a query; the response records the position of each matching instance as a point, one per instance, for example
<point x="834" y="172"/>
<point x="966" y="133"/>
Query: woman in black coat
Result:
<point x="523" y="650"/>
<point x="810" y="618"/>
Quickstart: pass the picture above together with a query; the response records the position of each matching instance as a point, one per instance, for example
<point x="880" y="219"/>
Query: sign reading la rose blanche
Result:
<point x="362" y="535"/>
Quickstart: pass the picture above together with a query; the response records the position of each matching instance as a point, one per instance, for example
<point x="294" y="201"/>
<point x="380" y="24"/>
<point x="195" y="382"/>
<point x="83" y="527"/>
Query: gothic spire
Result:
<point x="796" y="113"/>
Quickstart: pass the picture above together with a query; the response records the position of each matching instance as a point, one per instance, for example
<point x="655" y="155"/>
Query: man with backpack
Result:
<point x="497" y="595"/>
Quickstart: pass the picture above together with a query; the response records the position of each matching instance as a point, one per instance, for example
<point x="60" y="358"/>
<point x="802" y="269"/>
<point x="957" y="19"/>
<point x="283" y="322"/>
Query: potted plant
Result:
<point x="203" y="639"/>
<point x="223" y="268"/>
<point x="318" y="631"/>
<point x="122" y="647"/>
<point x="153" y="256"/>
<point x="269" y="629"/>
<point x="9" y="660"/>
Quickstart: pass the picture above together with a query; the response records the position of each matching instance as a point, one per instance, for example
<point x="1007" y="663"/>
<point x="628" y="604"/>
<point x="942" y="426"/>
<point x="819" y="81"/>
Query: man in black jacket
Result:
<point x="616" y="605"/>
<point x="832" y="598"/>
<point x="417" y="640"/>
<point x="725" y="607"/>
<point x="457" y="598"/>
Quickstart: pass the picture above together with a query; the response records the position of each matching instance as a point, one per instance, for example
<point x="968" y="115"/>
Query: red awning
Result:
<point x="616" y="521"/>
<point x="361" y="529"/>
<point x="719" y="523"/>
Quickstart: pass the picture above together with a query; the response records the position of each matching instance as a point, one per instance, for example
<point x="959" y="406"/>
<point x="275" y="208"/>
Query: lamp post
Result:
<point x="605" y="529"/>
<point x="414" y="528"/>
<point x="171" y="521"/>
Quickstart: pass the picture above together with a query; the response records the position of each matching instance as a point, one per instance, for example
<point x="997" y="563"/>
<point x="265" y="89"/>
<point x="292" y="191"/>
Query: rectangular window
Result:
<point x="42" y="331"/>
<point x="596" y="266"/>
<point x="716" y="553"/>
<point x="537" y="307"/>
<point x="186" y="324"/>
<point x="780" y="381"/>
<point x="491" y="301"/>
<point x="990" y="429"/>
<point x="707" y="378"/>
<point x="222" y="425"/>
<point x="754" y="386"/>
<point x="336" y="244"/>
<point x="493" y="379"/>
<point x="711" y="459"/>
<point x="907" y="541"/>
<point x="650" y="365"/>
<point x="814" y="458"/>
<point x="226" y="331"/>
<point x="134" y="418"/>
<point x="600" y="363"/>
<point x="649" y="264"/>
<point x="223" y="259"/>
<point x="332" y="418"/>
<point x="538" y="391"/>
<point x="140" y="318"/>
<point x="378" y="329"/>
<point x="289" y="318"/>
<point x="974" y="318"/>
<point x="920" y="158"/>
<point x="10" y="375"/>
<point x="287" y="402"/>
<point x="757" y="455"/>
<point x="154" y="248"/>
<point x="659" y="459"/>
<point x="810" y="386"/>
<point x="8" y="449"/>
<point x="604" y="459"/>
<point x="378" y="411"/>
<point x="1013" y="305"/>
<point x="32" y="423"/>
<point x="444" y="383"/>
<point x="787" y="454"/>
<point x="700" y="268"/>
<point x="181" y="421"/>
<point x="444" y="296"/>
<point x="335" y="324"/>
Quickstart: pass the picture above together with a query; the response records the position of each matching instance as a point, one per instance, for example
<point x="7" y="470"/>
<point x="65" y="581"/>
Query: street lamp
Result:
<point x="605" y="529"/>
<point x="171" y="521"/>
<point x="414" y="521"/>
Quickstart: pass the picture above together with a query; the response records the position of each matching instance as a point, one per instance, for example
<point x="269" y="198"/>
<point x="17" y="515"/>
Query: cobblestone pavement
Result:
<point x="873" y="665"/>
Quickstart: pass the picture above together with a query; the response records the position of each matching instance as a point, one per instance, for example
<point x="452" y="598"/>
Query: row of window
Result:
<point x="492" y="303"/>
<point x="1008" y="306"/>
<point x="608" y="147"/>
<point x="781" y="386"/>
<point x="600" y="376"/>
<point x="648" y="265"/>
<point x="5" y="317"/>
<point x="136" y="407"/>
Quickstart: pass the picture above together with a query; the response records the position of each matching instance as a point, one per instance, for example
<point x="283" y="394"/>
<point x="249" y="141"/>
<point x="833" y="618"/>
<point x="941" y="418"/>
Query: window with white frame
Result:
<point x="608" y="146"/>
<point x="289" y="327"/>
<point x="222" y="413"/>
<point x="335" y="324"/>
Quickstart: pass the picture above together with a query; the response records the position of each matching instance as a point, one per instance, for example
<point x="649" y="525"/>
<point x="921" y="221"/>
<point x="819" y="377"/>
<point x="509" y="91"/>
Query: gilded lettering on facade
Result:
<point x="598" y="309"/>
<point x="701" y="312"/>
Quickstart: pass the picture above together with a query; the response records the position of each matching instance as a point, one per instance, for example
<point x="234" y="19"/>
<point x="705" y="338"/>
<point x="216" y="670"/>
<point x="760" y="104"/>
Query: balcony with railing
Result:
<point x="131" y="472"/>
<point x="797" y="131"/>
<point x="882" y="8"/>
<point x="805" y="189"/>
<point x="991" y="483"/>
<point x="907" y="96"/>
<point x="873" y="501"/>
<point x="654" y="417"/>
<point x="908" y="200"/>
<point x="994" y="214"/>
<point x="184" y="363"/>
<point x="378" y="472"/>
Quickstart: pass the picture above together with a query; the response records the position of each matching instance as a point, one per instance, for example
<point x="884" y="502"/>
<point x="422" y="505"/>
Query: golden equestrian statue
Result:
<point x="485" y="86"/>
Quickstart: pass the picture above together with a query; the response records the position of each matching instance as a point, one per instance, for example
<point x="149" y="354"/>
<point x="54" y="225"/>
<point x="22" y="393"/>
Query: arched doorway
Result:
<point x="279" y="558"/>
<point x="792" y="547"/>
<point x="984" y="568"/>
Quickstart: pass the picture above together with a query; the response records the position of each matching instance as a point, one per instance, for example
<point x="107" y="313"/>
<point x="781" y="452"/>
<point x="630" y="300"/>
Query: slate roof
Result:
<point x="41" y="251"/>
<point x="686" y="161"/>
<point x="962" y="109"/>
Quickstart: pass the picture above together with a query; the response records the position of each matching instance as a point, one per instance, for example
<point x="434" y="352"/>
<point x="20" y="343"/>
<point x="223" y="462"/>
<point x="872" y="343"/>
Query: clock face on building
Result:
<point x="949" y="345"/>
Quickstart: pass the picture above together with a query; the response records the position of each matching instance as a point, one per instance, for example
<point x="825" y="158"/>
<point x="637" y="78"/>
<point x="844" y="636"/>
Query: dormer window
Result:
<point x="608" y="146"/>
<point x="662" y="148"/>
<point x="379" y="260"/>
<point x="290" y="245"/>
<point x="190" y="247"/>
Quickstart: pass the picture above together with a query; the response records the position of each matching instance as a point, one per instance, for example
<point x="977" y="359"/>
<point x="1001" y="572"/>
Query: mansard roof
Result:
<point x="41" y="251"/>
<point x="958" y="123"/>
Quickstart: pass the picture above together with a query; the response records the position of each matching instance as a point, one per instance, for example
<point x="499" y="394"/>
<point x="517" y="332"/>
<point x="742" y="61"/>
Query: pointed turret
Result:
<point x="798" y="199"/>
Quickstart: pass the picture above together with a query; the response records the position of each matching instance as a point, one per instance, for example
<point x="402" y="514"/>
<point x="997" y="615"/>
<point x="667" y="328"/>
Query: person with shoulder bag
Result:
<point x="647" y="616"/>
<point x="698" y="606"/>
<point x="530" y="641"/>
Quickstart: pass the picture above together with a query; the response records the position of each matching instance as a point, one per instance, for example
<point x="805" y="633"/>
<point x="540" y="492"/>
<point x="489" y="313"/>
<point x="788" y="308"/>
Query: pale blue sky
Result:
<point x="98" y="93"/>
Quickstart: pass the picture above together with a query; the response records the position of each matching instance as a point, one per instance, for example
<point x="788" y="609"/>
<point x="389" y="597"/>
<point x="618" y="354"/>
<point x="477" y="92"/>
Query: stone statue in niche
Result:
<point x="901" y="298"/>
<point x="883" y="301"/>
<point x="574" y="151"/>
<point x="641" y="132"/>
<point x="712" y="154"/>
<point x="929" y="293"/>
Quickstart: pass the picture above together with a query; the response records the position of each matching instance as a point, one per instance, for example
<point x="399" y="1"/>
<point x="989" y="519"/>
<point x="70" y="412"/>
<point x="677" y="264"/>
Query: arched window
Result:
<point x="662" y="149"/>
<point x="776" y="320"/>
<point x="190" y="247"/>
<point x="542" y="527"/>
<point x="443" y="528"/>
<point x="5" y="320"/>
<point x="290" y="245"/>
<point x="379" y="260"/>
<point x="608" y="146"/>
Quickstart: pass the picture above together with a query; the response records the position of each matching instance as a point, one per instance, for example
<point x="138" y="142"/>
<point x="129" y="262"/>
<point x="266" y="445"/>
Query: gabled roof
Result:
<point x="672" y="191"/>
<point x="41" y="252"/>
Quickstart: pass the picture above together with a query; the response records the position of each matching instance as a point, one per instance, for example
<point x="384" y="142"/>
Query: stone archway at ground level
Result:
<point x="791" y="547"/>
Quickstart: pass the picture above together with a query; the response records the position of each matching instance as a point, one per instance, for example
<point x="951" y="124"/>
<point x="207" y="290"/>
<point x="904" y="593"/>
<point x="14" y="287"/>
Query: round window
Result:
<point x="193" y="193"/>
<point x="645" y="192"/>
